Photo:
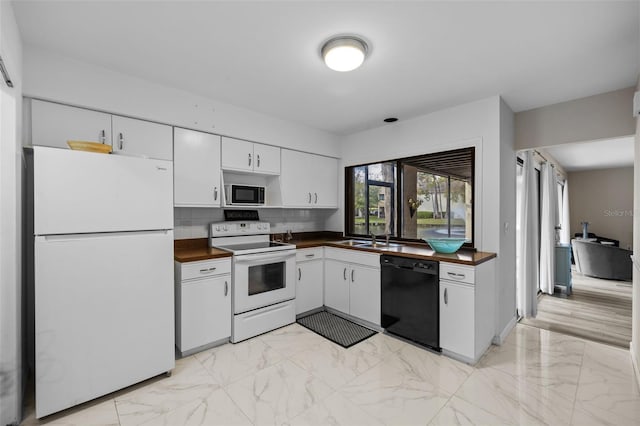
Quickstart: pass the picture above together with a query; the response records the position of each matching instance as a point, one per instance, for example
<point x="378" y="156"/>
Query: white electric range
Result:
<point x="263" y="277"/>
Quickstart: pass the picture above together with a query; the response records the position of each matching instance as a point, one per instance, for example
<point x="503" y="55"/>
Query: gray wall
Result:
<point x="604" y="198"/>
<point x="603" y="116"/>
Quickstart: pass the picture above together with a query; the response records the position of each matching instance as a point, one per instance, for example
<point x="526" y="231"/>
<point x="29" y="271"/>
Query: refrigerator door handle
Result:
<point x="78" y="237"/>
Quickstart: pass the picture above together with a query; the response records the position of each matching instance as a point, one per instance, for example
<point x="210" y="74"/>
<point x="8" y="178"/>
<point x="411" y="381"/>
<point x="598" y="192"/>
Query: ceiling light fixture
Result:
<point x="344" y="53"/>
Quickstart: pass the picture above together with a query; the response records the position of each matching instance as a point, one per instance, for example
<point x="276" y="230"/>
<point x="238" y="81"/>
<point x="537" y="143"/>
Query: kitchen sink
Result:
<point x="352" y="243"/>
<point x="379" y="245"/>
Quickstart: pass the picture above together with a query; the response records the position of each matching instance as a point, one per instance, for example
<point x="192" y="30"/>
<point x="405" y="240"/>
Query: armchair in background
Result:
<point x="602" y="261"/>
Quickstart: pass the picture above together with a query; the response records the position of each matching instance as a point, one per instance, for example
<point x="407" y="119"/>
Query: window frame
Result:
<point x="398" y="208"/>
<point x="349" y="195"/>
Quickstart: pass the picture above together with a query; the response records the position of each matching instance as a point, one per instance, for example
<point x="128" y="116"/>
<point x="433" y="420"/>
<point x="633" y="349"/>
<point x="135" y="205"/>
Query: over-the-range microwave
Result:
<point x="248" y="195"/>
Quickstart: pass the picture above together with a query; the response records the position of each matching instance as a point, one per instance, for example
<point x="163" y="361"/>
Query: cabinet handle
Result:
<point x="454" y="275"/>
<point x="207" y="270"/>
<point x="316" y="202"/>
<point x="309" y="198"/>
<point x="249" y="159"/>
<point x="309" y="255"/>
<point x="258" y="157"/>
<point x="352" y="271"/>
<point x="103" y="136"/>
<point x="226" y="288"/>
<point x="120" y="140"/>
<point x="446" y="297"/>
<point x="299" y="274"/>
<point x="344" y="274"/>
<point x="215" y="193"/>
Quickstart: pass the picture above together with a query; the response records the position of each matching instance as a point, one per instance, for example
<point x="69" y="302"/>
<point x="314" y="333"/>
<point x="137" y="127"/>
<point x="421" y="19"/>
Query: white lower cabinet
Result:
<point x="336" y="285"/>
<point x="466" y="309"/>
<point x="456" y="317"/>
<point x="203" y="303"/>
<point x="364" y="293"/>
<point x="352" y="283"/>
<point x="309" y="279"/>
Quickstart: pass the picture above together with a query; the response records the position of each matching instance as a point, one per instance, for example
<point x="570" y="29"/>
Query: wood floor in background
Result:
<point x="598" y="310"/>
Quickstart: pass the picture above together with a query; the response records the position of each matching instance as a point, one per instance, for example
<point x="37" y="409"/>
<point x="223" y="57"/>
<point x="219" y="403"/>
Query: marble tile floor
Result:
<point x="292" y="376"/>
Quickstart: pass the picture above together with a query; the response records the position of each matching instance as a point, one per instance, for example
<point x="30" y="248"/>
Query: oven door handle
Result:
<point x="260" y="258"/>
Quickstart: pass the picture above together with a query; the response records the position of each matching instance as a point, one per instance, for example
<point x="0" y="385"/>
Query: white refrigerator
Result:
<point x="103" y="274"/>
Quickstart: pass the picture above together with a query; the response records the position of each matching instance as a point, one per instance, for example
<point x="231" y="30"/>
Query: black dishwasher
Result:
<point x="410" y="305"/>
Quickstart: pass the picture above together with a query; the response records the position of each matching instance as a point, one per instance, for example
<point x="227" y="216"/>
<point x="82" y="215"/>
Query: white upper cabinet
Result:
<point x="54" y="124"/>
<point x="295" y="179"/>
<point x="324" y="179"/>
<point x="196" y="168"/>
<point x="250" y="157"/>
<point x="267" y="159"/>
<point x="142" y="138"/>
<point x="309" y="180"/>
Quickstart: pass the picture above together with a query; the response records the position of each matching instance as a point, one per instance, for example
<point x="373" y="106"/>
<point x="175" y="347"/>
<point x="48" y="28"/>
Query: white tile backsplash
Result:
<point x="193" y="222"/>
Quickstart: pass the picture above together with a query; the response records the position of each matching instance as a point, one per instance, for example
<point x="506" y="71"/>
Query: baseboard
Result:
<point x="499" y="339"/>
<point x="636" y="366"/>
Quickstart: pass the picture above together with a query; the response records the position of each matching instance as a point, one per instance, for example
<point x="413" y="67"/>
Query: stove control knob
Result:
<point x="226" y="228"/>
<point x="259" y="226"/>
<point x="218" y="228"/>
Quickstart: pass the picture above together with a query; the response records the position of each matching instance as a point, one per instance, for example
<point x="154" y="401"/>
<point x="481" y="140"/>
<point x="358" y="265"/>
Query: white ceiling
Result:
<point x="425" y="55"/>
<point x="601" y="154"/>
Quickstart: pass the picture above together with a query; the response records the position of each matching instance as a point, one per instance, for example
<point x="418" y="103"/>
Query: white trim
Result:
<point x="635" y="362"/>
<point x="499" y="339"/>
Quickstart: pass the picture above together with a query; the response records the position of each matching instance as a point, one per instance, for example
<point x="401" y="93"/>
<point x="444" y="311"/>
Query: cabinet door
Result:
<point x="142" y="138"/>
<point x="364" y="293"/>
<point x="205" y="312"/>
<point x="266" y="159"/>
<point x="295" y="179"/>
<point x="457" y="318"/>
<point x="336" y="285"/>
<point x="196" y="169"/>
<point x="237" y="155"/>
<point x="54" y="124"/>
<point x="325" y="182"/>
<point x="309" y="291"/>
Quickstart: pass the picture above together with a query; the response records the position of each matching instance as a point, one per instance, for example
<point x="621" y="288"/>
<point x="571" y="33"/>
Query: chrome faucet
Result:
<point x="373" y="239"/>
<point x="289" y="237"/>
<point x="386" y="237"/>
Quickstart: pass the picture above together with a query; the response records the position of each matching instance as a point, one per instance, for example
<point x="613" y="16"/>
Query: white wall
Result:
<point x="473" y="124"/>
<point x="635" y="315"/>
<point x="604" y="198"/>
<point x="54" y="77"/>
<point x="507" y="289"/>
<point x="192" y="222"/>
<point x="11" y="341"/>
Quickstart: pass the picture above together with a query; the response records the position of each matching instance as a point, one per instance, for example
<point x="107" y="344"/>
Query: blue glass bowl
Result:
<point x="445" y="245"/>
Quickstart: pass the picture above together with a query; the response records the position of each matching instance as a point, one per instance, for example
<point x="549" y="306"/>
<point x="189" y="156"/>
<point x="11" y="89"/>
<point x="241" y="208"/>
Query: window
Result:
<point x="413" y="198"/>
<point x="371" y="188"/>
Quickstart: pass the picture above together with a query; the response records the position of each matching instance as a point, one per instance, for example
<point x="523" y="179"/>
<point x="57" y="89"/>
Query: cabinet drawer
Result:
<point x="205" y="268"/>
<point x="309" y="254"/>
<point x="353" y="256"/>
<point x="452" y="272"/>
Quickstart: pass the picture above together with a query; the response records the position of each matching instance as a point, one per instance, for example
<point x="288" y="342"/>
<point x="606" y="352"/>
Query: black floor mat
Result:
<point x="337" y="329"/>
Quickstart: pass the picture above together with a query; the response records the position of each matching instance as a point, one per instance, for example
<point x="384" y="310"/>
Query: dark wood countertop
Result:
<point x="198" y="249"/>
<point x="415" y="251"/>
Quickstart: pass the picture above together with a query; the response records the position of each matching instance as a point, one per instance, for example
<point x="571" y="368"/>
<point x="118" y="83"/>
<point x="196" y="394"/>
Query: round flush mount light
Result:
<point x="344" y="53"/>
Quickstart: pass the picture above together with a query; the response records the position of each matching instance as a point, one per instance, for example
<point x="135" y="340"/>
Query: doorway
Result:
<point x="594" y="306"/>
